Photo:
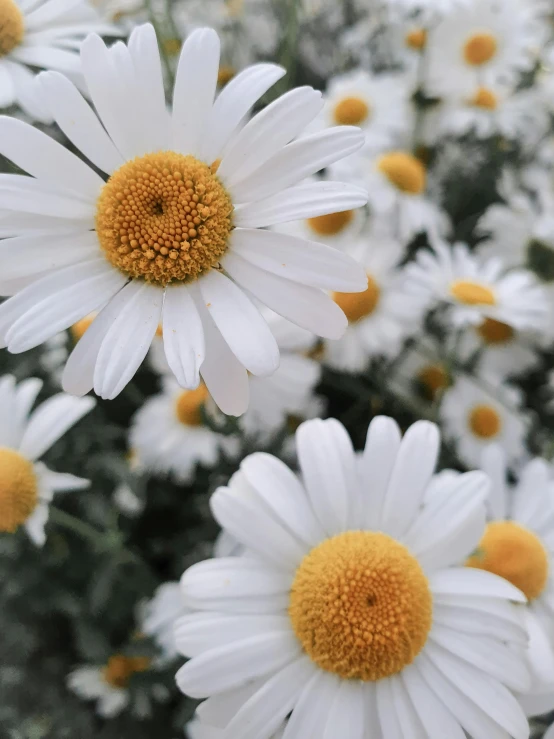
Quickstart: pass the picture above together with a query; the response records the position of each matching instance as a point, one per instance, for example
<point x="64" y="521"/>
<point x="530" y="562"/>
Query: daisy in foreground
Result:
<point x="174" y="235"/>
<point x="27" y="485"/>
<point x="350" y="612"/>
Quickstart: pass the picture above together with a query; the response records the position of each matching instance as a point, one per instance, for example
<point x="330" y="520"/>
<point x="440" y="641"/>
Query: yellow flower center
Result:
<point x="433" y="378"/>
<point x="164" y="217"/>
<point x="234" y="7"/>
<point x="225" y="74"/>
<point x="361" y="606"/>
<point x="472" y="293"/>
<point x="484" y="421"/>
<point x="495" y="332"/>
<point x="351" y="111"/>
<point x="12" y="26"/>
<point x="172" y="46"/>
<point x="404" y="171"/>
<point x="331" y="224"/>
<point x="516" y="554"/>
<point x="18" y="490"/>
<point x="120" y="669"/>
<point x="359" y="305"/>
<point x="189" y="406"/>
<point x="480" y="48"/>
<point x="78" y="329"/>
<point x="484" y="98"/>
<point x="416" y="39"/>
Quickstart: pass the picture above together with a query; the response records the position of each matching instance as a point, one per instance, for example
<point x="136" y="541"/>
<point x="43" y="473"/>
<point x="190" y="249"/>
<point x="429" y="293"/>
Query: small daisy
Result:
<point x="43" y="34"/>
<point x="379" y="319"/>
<point x="476" y="415"/>
<point x="353" y="616"/>
<point x="174" y="235"/>
<point x="27" y="486"/>
<point x="477" y="288"/>
<point x="158" y="617"/>
<point x="518" y="544"/>
<point x="169" y="435"/>
<point x="424" y="370"/>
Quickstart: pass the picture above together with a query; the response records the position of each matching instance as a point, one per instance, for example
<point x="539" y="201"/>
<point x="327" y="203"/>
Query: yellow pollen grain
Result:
<point x="189" y="404"/>
<point x="225" y="74"/>
<point x="120" y="669"/>
<point x="484" y="421"/>
<point x="416" y="39"/>
<point x="484" y="98"/>
<point x="495" y="332"/>
<point x="404" y="171"/>
<point x="351" y="111"/>
<point x="359" y="305"/>
<point x="12" y="26"/>
<point x="472" y="293"/>
<point x="513" y="552"/>
<point x="361" y="606"/>
<point x="480" y="49"/>
<point x="434" y="379"/>
<point x="18" y="490"/>
<point x="331" y="224"/>
<point x="78" y="329"/>
<point x="164" y="217"/>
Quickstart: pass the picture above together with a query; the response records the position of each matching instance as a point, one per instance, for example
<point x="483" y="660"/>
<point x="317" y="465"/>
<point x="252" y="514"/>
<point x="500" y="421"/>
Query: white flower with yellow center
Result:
<point x="518" y="545"/>
<point x="174" y="236"/>
<point x="424" y="370"/>
<point x="350" y="612"/>
<point x="169" y="435"/>
<point x="380" y="318"/>
<point x="27" y="486"/>
<point x="477" y="288"/>
<point x="43" y="34"/>
<point x="481" y="44"/>
<point x="477" y="413"/>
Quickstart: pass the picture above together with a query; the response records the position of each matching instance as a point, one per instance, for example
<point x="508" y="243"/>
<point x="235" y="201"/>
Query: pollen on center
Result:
<point x="331" y="224"/>
<point x="351" y="111"/>
<point x="359" y="305"/>
<point x="472" y="293"/>
<point x="484" y="98"/>
<point x="189" y="404"/>
<point x="404" y="171"/>
<point x="480" y="48"/>
<point x="120" y="669"/>
<point x="12" y="26"/>
<point x="18" y="489"/>
<point x="484" y="421"/>
<point x="495" y="332"/>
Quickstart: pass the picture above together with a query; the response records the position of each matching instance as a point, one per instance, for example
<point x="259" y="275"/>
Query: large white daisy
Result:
<point x="350" y="612"/>
<point x="27" y="486"/>
<point x="174" y="234"/>
<point x="43" y="34"/>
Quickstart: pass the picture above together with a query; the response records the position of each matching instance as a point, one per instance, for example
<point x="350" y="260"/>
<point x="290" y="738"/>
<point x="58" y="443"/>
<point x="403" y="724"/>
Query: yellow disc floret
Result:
<point x="361" y="606"/>
<point x="189" y="406"/>
<point x="331" y="224"/>
<point x="404" y="171"/>
<point x="164" y="217"/>
<point x="434" y="379"/>
<point x="480" y="48"/>
<point x="484" y="421"/>
<point x="416" y="39"/>
<point x="495" y="332"/>
<point x="516" y="554"/>
<point x="18" y="490"/>
<point x="484" y="98"/>
<point x="472" y="293"/>
<point x="78" y="329"/>
<point x="359" y="305"/>
<point x="225" y="74"/>
<point x="12" y="26"/>
<point x="120" y="669"/>
<point x="351" y="111"/>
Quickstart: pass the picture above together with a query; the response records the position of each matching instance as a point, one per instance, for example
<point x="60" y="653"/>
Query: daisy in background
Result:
<point x="475" y="413"/>
<point x="42" y="34"/>
<point x="423" y="647"/>
<point x="383" y="316"/>
<point x="175" y="234"/>
<point x="518" y="545"/>
<point x="27" y="486"/>
<point x="424" y="370"/>
<point x="476" y="288"/>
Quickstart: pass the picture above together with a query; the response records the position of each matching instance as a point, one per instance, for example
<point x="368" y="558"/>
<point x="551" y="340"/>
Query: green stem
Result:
<point x="79" y="527"/>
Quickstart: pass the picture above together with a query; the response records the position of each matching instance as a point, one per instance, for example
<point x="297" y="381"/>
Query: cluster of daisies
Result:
<point x="176" y="215"/>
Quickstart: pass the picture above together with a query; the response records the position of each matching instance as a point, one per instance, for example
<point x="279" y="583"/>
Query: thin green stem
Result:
<point x="79" y="527"/>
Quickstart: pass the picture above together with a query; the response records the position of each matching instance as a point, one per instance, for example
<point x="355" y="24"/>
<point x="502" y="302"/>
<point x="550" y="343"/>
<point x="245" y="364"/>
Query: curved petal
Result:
<point x="50" y="421"/>
<point x="381" y="448"/>
<point x="183" y="336"/>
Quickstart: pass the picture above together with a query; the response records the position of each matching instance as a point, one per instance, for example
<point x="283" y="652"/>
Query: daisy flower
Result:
<point x="380" y="318"/>
<point x="174" y="235"/>
<point x="158" y="616"/>
<point x="27" y="486"/>
<point x="477" y="289"/>
<point x="424" y="370"/>
<point x="473" y="417"/>
<point x="518" y="545"/>
<point x="43" y="34"/>
<point x="353" y="615"/>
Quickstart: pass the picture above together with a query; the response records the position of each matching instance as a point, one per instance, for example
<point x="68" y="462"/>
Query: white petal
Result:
<point x="63" y="481"/>
<point x="541" y="655"/>
<point x="183" y="336"/>
<point x="347" y="712"/>
<point x="470" y="581"/>
<point x="220" y="709"/>
<point x="493" y="462"/>
<point x="382" y="445"/>
<point x="35" y="524"/>
<point x="25" y="395"/>
<point x="432" y="711"/>
<point x="309" y="717"/>
<point x="411" y="725"/>
<point x="50" y="421"/>
<point x="388" y="719"/>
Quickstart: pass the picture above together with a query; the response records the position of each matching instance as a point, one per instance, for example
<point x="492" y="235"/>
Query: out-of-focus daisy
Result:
<point x="477" y="288"/>
<point x="518" y="544"/>
<point x="158" y="616"/>
<point x="477" y="413"/>
<point x="174" y="234"/>
<point x="380" y="318"/>
<point x="27" y="486"/>
<point x="169" y="434"/>
<point x="481" y="44"/>
<point x="45" y="34"/>
<point x="424" y="371"/>
<point x="301" y="629"/>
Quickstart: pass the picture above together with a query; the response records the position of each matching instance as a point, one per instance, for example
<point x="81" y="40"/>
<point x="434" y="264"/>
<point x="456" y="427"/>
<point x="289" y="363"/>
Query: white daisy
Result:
<point x="43" y="34"/>
<point x="352" y="615"/>
<point x="158" y="617"/>
<point x="477" y="288"/>
<point x="27" y="486"/>
<point x="177" y="236"/>
<point x="424" y="370"/>
<point x="476" y="413"/>
<point x="380" y="318"/>
<point x="518" y="544"/>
